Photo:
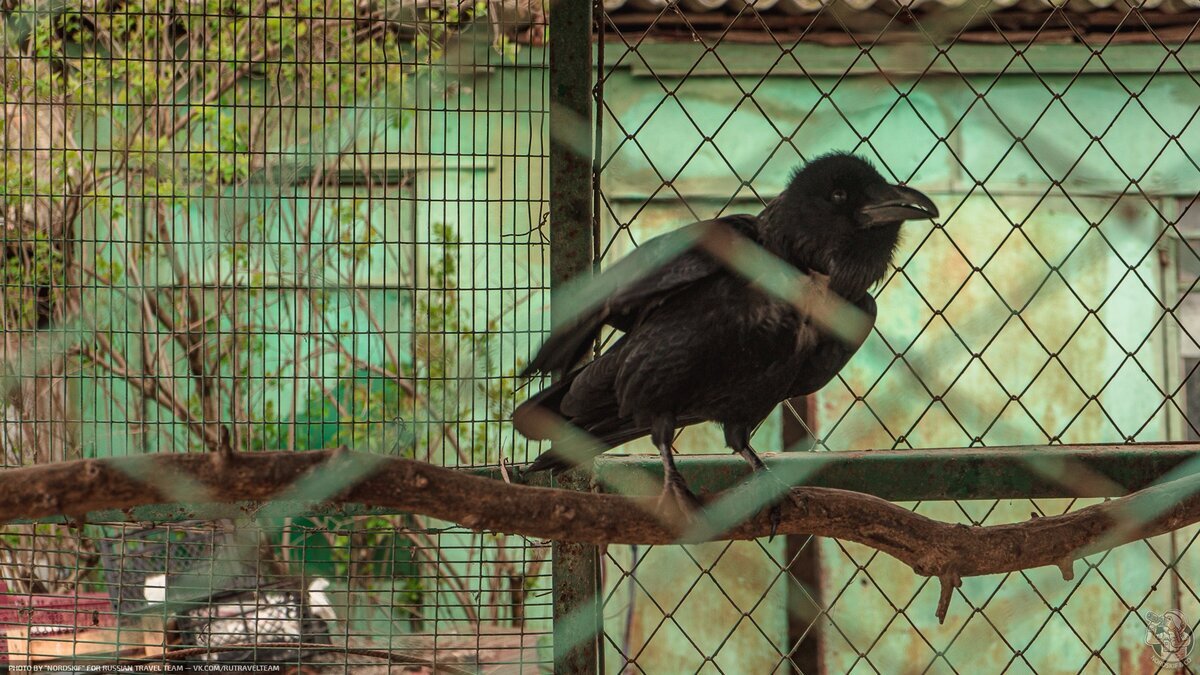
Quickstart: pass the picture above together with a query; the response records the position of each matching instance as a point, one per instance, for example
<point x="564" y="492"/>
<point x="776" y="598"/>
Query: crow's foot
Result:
<point x="775" y="511"/>
<point x="678" y="504"/>
<point x="777" y="488"/>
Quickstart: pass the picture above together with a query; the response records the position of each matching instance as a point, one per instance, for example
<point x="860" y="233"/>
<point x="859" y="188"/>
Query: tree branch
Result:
<point x="931" y="548"/>
<point x="190" y="335"/>
<point x="150" y="387"/>
<point x="223" y="86"/>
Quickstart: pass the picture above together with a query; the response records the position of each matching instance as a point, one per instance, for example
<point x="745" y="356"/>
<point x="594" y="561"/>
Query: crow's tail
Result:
<point x="565" y="347"/>
<point x="537" y="418"/>
<point x="594" y="423"/>
<point x="541" y="419"/>
<point x="549" y="461"/>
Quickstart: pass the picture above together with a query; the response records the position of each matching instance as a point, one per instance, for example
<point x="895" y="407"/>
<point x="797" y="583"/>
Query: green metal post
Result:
<point x="1019" y="472"/>
<point x="576" y="568"/>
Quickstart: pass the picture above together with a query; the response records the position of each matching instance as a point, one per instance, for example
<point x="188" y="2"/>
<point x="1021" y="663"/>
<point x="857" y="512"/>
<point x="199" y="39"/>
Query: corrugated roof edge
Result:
<point x="795" y="7"/>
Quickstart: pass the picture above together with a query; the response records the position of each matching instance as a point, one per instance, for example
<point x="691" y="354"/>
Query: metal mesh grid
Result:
<point x="257" y="226"/>
<point x="275" y="225"/>
<point x="355" y="591"/>
<point x="1046" y="306"/>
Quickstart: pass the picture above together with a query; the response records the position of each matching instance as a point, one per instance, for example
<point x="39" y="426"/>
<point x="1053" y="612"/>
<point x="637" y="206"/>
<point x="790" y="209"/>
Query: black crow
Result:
<point x="701" y="342"/>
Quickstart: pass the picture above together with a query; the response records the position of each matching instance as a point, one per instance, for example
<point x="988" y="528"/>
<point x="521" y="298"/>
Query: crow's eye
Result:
<point x="838" y="196"/>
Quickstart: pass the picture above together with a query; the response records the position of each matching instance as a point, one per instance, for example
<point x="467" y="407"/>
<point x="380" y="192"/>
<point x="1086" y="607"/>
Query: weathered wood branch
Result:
<point x="931" y="548"/>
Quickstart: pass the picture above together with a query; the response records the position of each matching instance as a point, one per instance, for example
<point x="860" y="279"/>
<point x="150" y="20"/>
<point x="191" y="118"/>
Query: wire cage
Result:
<point x="251" y="226"/>
<point x="1048" y="305"/>
<point x="145" y="566"/>
<point x="272" y="226"/>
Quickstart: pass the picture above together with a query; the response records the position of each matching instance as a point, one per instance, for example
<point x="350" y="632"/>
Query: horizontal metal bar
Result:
<point x="679" y="59"/>
<point x="1021" y="472"/>
<point x="915" y="475"/>
<point x="388" y="168"/>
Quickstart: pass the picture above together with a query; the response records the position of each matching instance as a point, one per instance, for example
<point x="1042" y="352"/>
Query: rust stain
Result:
<point x="1137" y="660"/>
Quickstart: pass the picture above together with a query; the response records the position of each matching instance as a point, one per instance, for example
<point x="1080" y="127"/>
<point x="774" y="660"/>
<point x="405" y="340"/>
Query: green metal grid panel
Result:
<point x="369" y="258"/>
<point x="1040" y="309"/>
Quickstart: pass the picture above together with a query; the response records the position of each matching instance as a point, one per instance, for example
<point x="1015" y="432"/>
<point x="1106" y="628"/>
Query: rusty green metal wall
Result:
<point x="678" y="148"/>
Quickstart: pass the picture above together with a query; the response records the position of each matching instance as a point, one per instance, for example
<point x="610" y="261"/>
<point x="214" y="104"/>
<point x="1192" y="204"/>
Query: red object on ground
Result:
<point x="44" y="615"/>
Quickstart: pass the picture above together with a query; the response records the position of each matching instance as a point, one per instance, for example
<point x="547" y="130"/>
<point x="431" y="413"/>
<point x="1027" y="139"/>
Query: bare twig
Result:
<point x="191" y="337"/>
<point x="428" y="548"/>
<point x="150" y="387"/>
<point x="406" y="384"/>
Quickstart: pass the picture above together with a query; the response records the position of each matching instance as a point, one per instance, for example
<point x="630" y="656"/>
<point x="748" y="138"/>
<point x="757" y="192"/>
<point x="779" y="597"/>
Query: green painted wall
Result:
<point x="1029" y="170"/>
<point x="722" y="140"/>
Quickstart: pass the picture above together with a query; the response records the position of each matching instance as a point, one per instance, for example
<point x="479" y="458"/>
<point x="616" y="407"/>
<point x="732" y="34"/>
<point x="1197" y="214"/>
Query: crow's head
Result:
<point x="841" y="191"/>
<point x="838" y="214"/>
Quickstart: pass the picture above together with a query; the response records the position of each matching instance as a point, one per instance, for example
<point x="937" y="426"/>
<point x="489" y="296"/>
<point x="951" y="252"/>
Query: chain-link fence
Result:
<point x="1048" y="305"/>
<point x="237" y="228"/>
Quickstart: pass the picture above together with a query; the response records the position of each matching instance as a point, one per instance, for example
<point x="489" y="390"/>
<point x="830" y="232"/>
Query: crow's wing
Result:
<point x="679" y="262"/>
<point x="593" y="410"/>
<point x="830" y="355"/>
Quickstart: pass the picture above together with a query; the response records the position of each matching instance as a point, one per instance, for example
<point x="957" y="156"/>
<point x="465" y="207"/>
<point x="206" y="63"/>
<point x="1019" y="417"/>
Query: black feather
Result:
<point x="565" y="348"/>
<point x="700" y="342"/>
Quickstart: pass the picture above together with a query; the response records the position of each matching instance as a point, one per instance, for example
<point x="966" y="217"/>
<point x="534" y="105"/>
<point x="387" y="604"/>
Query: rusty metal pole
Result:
<point x="802" y="553"/>
<point x="578" y="626"/>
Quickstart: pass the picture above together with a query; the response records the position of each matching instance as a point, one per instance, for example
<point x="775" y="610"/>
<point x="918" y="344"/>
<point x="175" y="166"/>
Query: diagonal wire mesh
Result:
<point x="1049" y="304"/>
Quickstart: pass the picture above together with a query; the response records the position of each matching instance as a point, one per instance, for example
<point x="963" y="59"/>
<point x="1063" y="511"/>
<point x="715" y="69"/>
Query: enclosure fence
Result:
<point x="1049" y="306"/>
<point x="238" y="229"/>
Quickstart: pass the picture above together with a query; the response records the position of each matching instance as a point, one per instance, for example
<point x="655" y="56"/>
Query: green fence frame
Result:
<point x="1096" y="471"/>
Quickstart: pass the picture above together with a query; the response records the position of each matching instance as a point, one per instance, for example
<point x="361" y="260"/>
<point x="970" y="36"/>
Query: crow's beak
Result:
<point x="894" y="204"/>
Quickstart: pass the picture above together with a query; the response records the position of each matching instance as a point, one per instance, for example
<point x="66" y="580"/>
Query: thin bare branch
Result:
<point x="150" y="387"/>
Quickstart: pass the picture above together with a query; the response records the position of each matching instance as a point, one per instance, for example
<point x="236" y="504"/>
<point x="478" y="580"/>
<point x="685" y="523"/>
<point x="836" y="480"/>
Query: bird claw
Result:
<point x="775" y="510"/>
<point x="775" y="514"/>
<point x="678" y="504"/>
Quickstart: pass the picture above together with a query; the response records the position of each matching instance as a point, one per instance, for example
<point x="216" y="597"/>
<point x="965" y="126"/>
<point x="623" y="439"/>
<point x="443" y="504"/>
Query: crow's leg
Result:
<point x="737" y="437"/>
<point x="676" y="497"/>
